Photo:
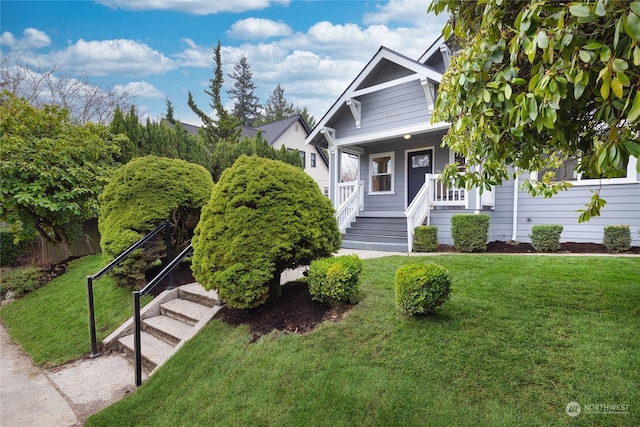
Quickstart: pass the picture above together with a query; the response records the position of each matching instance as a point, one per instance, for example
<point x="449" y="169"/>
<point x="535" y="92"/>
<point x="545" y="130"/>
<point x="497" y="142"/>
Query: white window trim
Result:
<point x="392" y="155"/>
<point x="631" y="178"/>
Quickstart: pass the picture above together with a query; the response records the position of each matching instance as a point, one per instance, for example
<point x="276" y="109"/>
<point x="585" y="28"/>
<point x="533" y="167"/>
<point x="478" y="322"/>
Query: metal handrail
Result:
<point x="90" y="279"/>
<point x="137" y="334"/>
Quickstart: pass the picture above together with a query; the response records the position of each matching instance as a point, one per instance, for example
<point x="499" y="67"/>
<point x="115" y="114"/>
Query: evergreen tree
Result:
<point x="246" y="107"/>
<point x="226" y="126"/>
<point x="277" y="108"/>
<point x="169" y="116"/>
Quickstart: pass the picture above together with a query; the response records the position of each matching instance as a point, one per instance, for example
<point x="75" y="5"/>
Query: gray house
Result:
<point x="383" y="119"/>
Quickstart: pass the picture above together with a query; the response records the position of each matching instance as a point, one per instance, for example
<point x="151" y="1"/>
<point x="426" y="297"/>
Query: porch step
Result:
<point x="155" y="351"/>
<point x="377" y="233"/>
<point x="184" y="311"/>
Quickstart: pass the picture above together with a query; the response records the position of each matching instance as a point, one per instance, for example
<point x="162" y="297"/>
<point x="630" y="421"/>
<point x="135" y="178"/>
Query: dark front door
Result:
<point x="419" y="163"/>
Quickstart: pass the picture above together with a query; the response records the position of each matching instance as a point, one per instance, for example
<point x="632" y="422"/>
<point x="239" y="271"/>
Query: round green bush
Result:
<point x="264" y="216"/>
<point x="141" y="195"/>
<point x="335" y="280"/>
<point x="617" y="238"/>
<point x="425" y="238"/>
<point x="421" y="287"/>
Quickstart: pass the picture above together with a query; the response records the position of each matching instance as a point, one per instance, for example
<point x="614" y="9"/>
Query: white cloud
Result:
<point x="407" y="11"/>
<point x="31" y="39"/>
<point x="141" y="89"/>
<point x="194" y="55"/>
<point x="110" y="57"/>
<point x="196" y="7"/>
<point x="258" y="29"/>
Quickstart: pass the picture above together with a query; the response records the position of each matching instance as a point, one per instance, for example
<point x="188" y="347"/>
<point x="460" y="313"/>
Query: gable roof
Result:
<point x="359" y="86"/>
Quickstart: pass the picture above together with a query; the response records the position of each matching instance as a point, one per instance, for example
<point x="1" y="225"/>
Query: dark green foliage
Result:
<point x="246" y="106"/>
<point x="142" y="194"/>
<point x="546" y="237"/>
<point x="228" y="151"/>
<point x="617" y="238"/>
<point x="421" y="287"/>
<point x="470" y="232"/>
<point x="264" y="216"/>
<point x="162" y="139"/>
<point x="21" y="280"/>
<point x="335" y="280"/>
<point x="10" y="250"/>
<point x="425" y="238"/>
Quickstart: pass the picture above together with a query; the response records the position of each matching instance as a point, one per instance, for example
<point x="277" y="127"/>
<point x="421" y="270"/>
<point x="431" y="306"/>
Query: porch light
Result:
<point x="407" y="136"/>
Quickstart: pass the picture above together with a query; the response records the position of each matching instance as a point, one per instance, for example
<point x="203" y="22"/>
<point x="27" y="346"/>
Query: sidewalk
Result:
<point x="66" y="396"/>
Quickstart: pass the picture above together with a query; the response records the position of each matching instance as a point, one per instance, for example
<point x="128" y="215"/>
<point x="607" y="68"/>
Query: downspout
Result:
<point x="514" y="232"/>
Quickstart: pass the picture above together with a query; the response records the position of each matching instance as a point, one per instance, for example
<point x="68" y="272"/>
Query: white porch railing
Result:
<point x="419" y="209"/>
<point x="446" y="194"/>
<point x="351" y="201"/>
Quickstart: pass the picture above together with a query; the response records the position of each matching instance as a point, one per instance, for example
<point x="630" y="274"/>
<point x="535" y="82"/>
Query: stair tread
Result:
<point x="153" y="349"/>
<point x="170" y="326"/>
<point x="186" y="308"/>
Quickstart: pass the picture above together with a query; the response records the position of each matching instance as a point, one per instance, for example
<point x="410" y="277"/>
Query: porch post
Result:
<point x="334" y="167"/>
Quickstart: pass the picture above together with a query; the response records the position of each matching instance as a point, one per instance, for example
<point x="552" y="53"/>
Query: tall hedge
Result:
<point x="142" y="194"/>
<point x="264" y="216"/>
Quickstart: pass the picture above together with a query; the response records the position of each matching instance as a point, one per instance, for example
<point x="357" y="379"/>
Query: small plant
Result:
<point x="617" y="238"/>
<point x="546" y="237"/>
<point x="20" y="280"/>
<point x="421" y="287"/>
<point x="335" y="280"/>
<point x="470" y="232"/>
<point x="425" y="238"/>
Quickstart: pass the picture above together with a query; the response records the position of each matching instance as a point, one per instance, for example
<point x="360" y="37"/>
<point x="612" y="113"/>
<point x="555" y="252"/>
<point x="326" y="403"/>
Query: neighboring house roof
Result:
<point x="365" y="81"/>
<point x="191" y="129"/>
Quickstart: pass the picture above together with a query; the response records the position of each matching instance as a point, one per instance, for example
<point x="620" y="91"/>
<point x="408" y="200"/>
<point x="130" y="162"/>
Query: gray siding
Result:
<point x="384" y="72"/>
<point x="391" y="108"/>
<point x="396" y="202"/>
<point x="623" y="207"/>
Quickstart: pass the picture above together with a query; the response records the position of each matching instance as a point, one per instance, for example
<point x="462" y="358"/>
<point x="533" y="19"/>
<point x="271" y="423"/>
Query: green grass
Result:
<point x="520" y="338"/>
<point x="52" y="323"/>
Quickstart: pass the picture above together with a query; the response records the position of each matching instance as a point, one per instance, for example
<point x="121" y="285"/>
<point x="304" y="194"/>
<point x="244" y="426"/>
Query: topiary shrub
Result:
<point x="421" y="287"/>
<point x="470" y="232"/>
<point x="546" y="237"/>
<point x="617" y="238"/>
<point x="425" y="238"/>
<point x="142" y="194"/>
<point x="335" y="280"/>
<point x="264" y="216"/>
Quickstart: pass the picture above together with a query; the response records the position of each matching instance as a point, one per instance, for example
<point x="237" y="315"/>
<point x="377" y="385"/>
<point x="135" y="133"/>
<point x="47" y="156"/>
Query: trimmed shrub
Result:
<point x="470" y="232"/>
<point x="425" y="238"/>
<point x="264" y="217"/>
<point x="141" y="195"/>
<point x="10" y="251"/>
<point x="421" y="287"/>
<point x="617" y="238"/>
<point x="335" y="280"/>
<point x="546" y="237"/>
<point x="21" y="280"/>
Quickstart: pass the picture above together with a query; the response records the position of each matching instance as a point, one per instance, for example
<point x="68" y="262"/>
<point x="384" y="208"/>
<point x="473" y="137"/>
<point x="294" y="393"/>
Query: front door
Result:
<point x="419" y="163"/>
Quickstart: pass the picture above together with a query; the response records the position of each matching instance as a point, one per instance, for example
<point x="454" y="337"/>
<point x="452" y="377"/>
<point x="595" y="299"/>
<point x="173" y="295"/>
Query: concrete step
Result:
<point x="194" y="292"/>
<point x="167" y="329"/>
<point x="376" y="246"/>
<point x="184" y="311"/>
<point x="154" y="351"/>
<point x="375" y="231"/>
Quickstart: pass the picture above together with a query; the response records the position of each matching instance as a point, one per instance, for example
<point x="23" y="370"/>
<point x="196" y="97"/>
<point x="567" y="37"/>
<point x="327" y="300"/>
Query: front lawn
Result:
<point x="52" y="323"/>
<point x="520" y="338"/>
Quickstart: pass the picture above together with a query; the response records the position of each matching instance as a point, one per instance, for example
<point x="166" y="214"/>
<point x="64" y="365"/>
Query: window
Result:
<point x="313" y="160"/>
<point x="381" y="173"/>
<point x="303" y="156"/>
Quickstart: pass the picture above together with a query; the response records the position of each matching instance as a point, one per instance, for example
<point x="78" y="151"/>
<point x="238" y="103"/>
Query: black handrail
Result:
<point x="90" y="279"/>
<point x="136" y="308"/>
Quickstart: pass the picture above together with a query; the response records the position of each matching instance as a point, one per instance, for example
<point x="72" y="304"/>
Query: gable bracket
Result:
<point x="356" y="110"/>
<point x="329" y="135"/>
<point x="429" y="91"/>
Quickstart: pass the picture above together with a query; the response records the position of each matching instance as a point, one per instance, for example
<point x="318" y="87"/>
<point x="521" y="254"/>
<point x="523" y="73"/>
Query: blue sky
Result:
<point x="158" y="49"/>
